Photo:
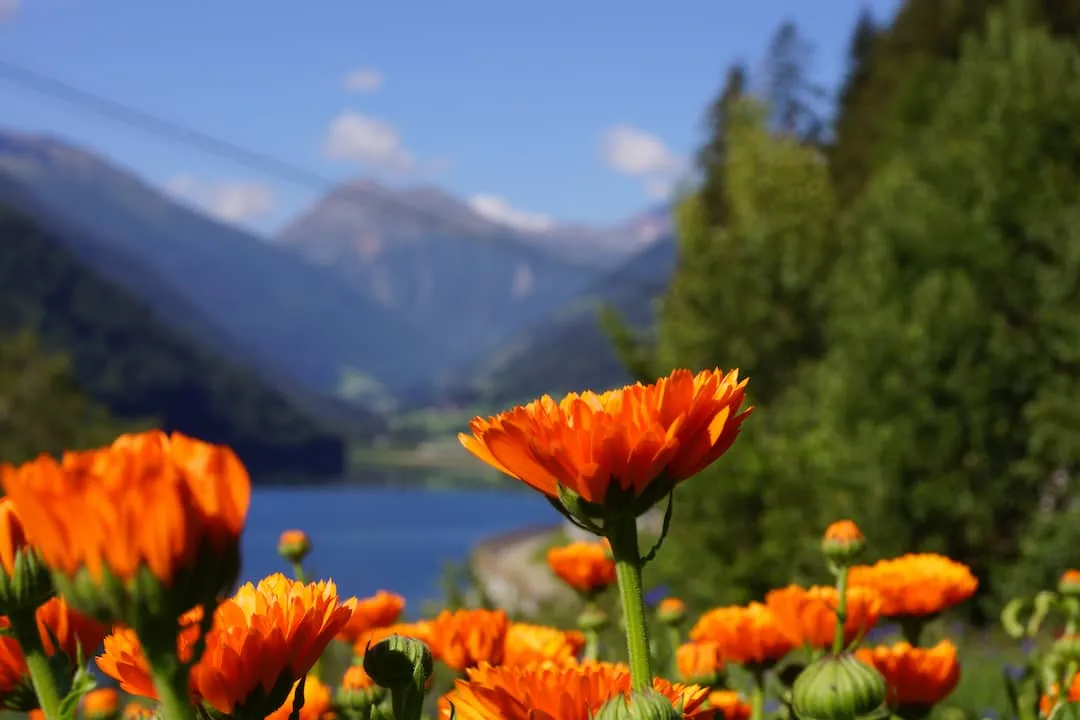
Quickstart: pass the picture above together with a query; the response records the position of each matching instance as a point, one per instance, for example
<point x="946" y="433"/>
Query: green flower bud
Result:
<point x="671" y="611"/>
<point x="25" y="581"/>
<point x="294" y="546"/>
<point x="838" y="687"/>
<point x="646" y="705"/>
<point x="399" y="662"/>
<point x="592" y="619"/>
<point x="842" y="543"/>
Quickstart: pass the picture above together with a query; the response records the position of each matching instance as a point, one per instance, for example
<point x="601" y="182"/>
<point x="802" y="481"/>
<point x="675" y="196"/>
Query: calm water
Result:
<point x="368" y="539"/>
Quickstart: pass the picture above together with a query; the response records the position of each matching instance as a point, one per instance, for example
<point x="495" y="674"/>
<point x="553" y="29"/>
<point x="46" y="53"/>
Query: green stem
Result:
<point x="624" y="547"/>
<point x="592" y="646"/>
<point x="674" y="641"/>
<point x="24" y="625"/>
<point x="757" y="695"/>
<point x="171" y="683"/>
<point x="841" y="610"/>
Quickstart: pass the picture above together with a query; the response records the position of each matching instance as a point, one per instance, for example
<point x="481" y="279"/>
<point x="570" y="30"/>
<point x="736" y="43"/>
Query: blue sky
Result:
<point x="575" y="110"/>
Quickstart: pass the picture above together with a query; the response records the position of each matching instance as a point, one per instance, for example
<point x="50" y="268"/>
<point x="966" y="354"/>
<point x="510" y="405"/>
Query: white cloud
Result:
<point x="368" y="141"/>
<point x="638" y="154"/>
<point x="361" y="79"/>
<point x="496" y="209"/>
<point x="232" y="201"/>
<point x="8" y="8"/>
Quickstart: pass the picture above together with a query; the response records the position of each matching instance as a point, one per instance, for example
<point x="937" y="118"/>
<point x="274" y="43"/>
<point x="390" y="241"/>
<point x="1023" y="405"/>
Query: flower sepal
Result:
<point x="639" y="705"/>
<point x="618" y="505"/>
<point x="838" y="687"/>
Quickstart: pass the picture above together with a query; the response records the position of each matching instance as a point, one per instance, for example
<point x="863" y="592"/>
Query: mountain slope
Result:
<point x="289" y="316"/>
<point x="126" y="360"/>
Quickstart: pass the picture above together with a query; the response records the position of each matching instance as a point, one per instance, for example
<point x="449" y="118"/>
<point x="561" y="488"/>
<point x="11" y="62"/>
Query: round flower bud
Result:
<point x="294" y="546"/>
<point x="842" y="543"/>
<point x="646" y="705"/>
<point x="592" y="619"/>
<point x="398" y="662"/>
<point x="671" y="611"/>
<point x="838" y="687"/>
<point x="1069" y="584"/>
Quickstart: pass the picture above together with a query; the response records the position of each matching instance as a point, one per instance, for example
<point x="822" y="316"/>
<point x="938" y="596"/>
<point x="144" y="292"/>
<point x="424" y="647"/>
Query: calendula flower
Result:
<point x="24" y="578"/>
<point x="136" y="710"/>
<point x="263" y="640"/>
<point x="72" y="632"/>
<point x="294" y="546"/>
<point x="465" y="638"/>
<point x="587" y="567"/>
<point x="378" y="611"/>
<point x="101" y="703"/>
<point x="808" y="615"/>
<point x="625" y="448"/>
<point x="699" y="663"/>
<point x="916" y="584"/>
<point x="318" y="703"/>
<point x="746" y="634"/>
<point x="730" y="704"/>
<point x="916" y="677"/>
<point x="526" y="643"/>
<point x="552" y="692"/>
<point x="151" y="510"/>
<point x="842" y="542"/>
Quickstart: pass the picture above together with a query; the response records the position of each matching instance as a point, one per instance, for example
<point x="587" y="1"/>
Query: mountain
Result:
<point x="470" y="282"/>
<point x="570" y="351"/>
<point x="285" y="315"/>
<point x="607" y="247"/>
<point x="124" y="358"/>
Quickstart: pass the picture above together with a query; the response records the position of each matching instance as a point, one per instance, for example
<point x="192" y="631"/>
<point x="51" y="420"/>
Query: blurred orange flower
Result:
<point x="356" y="678"/>
<point x="318" y="703"/>
<point x="843" y="531"/>
<point x="12" y="535"/>
<point x="136" y="710"/>
<point x="149" y="500"/>
<point x="671" y="607"/>
<point x="1047" y="702"/>
<point x="465" y="638"/>
<point x="747" y="634"/>
<point x="918" y="677"/>
<point x="808" y="615"/>
<point x="585" y="566"/>
<point x="628" y="437"/>
<point x="699" y="662"/>
<point x="916" y="583"/>
<point x="551" y="692"/>
<point x="527" y="643"/>
<point x="730" y="704"/>
<point x="264" y="639"/>
<point x="101" y="702"/>
<point x="377" y="611"/>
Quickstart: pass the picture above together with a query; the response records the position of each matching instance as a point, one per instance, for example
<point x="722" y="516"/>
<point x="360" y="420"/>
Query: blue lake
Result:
<point x="368" y="539"/>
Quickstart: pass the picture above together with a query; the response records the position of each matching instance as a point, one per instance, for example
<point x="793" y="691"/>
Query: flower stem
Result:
<point x="674" y="640"/>
<point x="171" y="683"/>
<point x="24" y="625"/>
<point x="757" y="695"/>
<point x="592" y="646"/>
<point x="841" y="610"/>
<point x="624" y="547"/>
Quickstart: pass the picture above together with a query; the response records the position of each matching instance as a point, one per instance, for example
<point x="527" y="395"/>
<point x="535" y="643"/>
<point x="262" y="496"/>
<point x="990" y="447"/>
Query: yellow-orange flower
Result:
<point x="466" y="638"/>
<point x="628" y="437"/>
<point x="418" y="630"/>
<point x="747" y="634"/>
<point x="527" y="643"/>
<point x="553" y="692"/>
<point x="671" y="607"/>
<point x="136" y="710"/>
<point x="264" y="639"/>
<point x="915" y="676"/>
<point x="843" y="531"/>
<point x="808" y="615"/>
<point x="356" y="678"/>
<point x="318" y="702"/>
<point x="585" y="566"/>
<point x="55" y="619"/>
<point x="916" y="583"/>
<point x="730" y="704"/>
<point x="378" y="611"/>
<point x="149" y="500"/>
<point x="699" y="662"/>
<point x="101" y="702"/>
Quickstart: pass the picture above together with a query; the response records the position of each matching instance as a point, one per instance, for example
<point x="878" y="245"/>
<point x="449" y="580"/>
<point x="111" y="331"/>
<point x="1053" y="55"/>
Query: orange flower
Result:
<point x="12" y="535"/>
<point x="101" y="702"/>
<point x="699" y="662"/>
<point x="378" y="611"/>
<point x="55" y="619"/>
<point x="628" y="437"/>
<point x="263" y="640"/>
<point x="24" y="579"/>
<point x="843" y="531"/>
<point x="916" y="584"/>
<point x="136" y="710"/>
<point x="746" y="634"/>
<point x="585" y="566"/>
<point x="356" y="678"/>
<point x="671" y="607"/>
<point x="170" y="504"/>
<point x="317" y="702"/>
<point x="808" y="616"/>
<point x="1047" y="702"/>
<point x="464" y="638"/>
<point x="915" y="676"/>
<point x="418" y="630"/>
<point x="553" y="692"/>
<point x="730" y="704"/>
<point x="294" y="545"/>
<point x="527" y="643"/>
<point x="1069" y="584"/>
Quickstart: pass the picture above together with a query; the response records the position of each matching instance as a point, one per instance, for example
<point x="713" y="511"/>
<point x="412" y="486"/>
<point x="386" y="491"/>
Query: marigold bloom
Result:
<point x="585" y="566"/>
<point x="526" y="643"/>
<point x="318" y="702"/>
<point x="465" y="638"/>
<point x="627" y="438"/>
<point x="730" y="704"/>
<point x="378" y="611"/>
<point x="101" y="703"/>
<point x="167" y="505"/>
<point x="915" y="676"/>
<point x="699" y="662"/>
<point x="552" y="692"/>
<point x="747" y="634"/>
<point x="808" y="615"/>
<point x="24" y="578"/>
<point x="916" y="583"/>
<point x="55" y="619"/>
<point x="264" y="639"/>
<point x="136" y="710"/>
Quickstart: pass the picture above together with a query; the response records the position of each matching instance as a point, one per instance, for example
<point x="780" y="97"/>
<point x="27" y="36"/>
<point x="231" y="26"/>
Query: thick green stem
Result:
<point x="841" y="610"/>
<point x="757" y="695"/>
<point x="171" y="683"/>
<point x="592" y="645"/>
<point x="674" y="641"/>
<point x="624" y="547"/>
<point x="45" y="684"/>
